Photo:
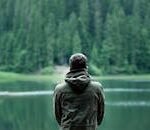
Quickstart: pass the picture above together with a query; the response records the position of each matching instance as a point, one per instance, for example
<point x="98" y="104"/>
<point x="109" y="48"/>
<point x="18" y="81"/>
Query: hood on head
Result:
<point x="78" y="80"/>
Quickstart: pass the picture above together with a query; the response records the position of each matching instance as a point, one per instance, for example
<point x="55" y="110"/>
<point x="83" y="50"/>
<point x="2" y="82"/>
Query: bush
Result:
<point x="47" y="70"/>
<point x="94" y="70"/>
<point x="7" y="68"/>
<point x="122" y="70"/>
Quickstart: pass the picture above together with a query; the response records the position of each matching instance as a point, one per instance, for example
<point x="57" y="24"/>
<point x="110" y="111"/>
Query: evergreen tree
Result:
<point x="84" y="27"/>
<point x="76" y="41"/>
<point x="114" y="34"/>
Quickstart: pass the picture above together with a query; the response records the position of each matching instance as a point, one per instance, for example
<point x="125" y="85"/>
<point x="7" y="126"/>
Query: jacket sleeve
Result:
<point x="101" y="105"/>
<point x="57" y="106"/>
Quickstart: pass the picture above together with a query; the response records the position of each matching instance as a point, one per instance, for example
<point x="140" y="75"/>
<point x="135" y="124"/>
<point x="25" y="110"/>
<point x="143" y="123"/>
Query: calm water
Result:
<point x="127" y="106"/>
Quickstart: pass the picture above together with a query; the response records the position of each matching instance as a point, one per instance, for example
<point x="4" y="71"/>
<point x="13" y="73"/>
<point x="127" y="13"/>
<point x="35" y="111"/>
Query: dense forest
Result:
<point x="114" y="34"/>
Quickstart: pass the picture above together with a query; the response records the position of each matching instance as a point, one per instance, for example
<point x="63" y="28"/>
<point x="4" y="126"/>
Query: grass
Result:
<point x="145" y="77"/>
<point x="11" y="77"/>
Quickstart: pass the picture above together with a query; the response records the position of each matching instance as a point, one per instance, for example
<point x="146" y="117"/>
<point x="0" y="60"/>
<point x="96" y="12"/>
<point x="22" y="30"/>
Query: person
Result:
<point x="78" y="101"/>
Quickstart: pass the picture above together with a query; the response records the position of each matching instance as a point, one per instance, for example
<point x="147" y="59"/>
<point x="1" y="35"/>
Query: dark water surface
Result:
<point x="127" y="106"/>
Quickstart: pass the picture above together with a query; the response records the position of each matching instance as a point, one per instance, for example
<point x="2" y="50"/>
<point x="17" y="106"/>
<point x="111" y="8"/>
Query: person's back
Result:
<point x="79" y="102"/>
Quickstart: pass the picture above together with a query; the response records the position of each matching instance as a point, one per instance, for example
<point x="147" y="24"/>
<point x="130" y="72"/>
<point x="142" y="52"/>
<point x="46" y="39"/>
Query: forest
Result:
<point x="113" y="34"/>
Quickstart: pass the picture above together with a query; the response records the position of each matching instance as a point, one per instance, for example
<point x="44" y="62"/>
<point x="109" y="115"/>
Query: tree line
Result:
<point x="114" y="34"/>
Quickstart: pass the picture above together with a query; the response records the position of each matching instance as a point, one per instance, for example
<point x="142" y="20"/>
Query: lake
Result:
<point x="127" y="105"/>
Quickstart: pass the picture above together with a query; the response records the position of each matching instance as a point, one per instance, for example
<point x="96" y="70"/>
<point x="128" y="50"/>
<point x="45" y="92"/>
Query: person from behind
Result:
<point x="78" y="101"/>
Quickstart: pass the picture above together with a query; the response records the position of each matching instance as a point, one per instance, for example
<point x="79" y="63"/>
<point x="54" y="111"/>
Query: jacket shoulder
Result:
<point x="96" y="85"/>
<point x="59" y="87"/>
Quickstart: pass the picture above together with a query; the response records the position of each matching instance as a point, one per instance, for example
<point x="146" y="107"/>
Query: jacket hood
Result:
<point x="78" y="80"/>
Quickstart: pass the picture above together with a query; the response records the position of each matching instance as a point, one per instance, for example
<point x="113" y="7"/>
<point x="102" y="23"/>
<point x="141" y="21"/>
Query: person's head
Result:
<point x="78" y="61"/>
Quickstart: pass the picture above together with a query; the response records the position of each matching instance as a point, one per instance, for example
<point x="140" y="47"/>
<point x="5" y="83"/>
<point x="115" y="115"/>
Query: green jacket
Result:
<point x="78" y="102"/>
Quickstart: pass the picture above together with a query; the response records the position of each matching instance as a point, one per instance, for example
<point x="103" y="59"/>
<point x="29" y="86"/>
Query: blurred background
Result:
<point x="37" y="37"/>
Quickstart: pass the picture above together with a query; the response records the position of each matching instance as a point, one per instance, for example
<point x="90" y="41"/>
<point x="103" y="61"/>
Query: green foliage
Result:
<point x="47" y="70"/>
<point x="94" y="70"/>
<point x="114" y="34"/>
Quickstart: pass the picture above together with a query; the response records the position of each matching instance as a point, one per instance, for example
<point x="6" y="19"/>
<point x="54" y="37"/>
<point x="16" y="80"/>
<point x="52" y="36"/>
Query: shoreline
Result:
<point x="10" y="77"/>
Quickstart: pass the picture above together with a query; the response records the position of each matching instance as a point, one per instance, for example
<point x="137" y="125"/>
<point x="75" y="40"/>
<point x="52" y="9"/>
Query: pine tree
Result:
<point x="76" y="41"/>
<point x="113" y="42"/>
<point x="84" y="27"/>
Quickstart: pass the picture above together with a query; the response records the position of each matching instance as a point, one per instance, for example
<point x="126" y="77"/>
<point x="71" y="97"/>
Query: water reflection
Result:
<point x="28" y="108"/>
